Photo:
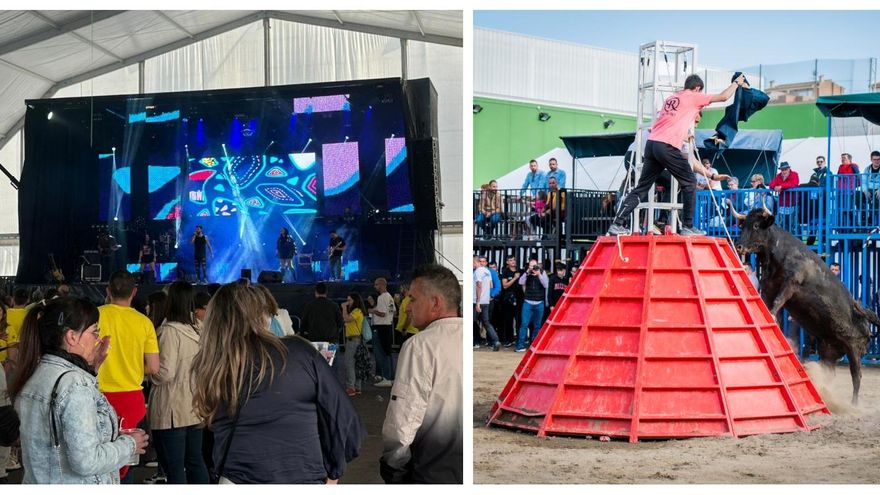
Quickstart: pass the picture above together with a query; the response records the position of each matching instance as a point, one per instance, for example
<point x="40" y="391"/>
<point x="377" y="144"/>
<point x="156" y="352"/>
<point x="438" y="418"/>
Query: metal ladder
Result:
<point x="654" y="86"/>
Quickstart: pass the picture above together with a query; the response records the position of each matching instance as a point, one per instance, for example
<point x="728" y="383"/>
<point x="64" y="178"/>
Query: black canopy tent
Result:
<point x="751" y="150"/>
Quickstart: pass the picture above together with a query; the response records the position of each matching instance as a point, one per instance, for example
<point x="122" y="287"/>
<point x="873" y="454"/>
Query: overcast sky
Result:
<point x="725" y="39"/>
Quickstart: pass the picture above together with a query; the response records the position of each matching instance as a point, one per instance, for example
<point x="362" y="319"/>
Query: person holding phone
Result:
<point x="534" y="282"/>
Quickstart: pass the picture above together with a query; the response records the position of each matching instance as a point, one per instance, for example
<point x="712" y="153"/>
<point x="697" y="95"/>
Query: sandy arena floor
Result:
<point x="845" y="450"/>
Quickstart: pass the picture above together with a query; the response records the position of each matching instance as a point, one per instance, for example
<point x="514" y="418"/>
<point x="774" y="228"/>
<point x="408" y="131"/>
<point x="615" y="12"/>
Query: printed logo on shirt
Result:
<point x="671" y="104"/>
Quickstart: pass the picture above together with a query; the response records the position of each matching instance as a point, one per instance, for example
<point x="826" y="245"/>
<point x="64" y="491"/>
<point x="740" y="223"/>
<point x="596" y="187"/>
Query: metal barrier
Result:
<point x="799" y="211"/>
<point x="589" y="213"/>
<point x="525" y="217"/>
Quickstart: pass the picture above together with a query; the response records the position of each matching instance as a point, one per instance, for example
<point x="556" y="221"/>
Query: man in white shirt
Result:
<point x="422" y="435"/>
<point x="383" y="317"/>
<point x="482" y="287"/>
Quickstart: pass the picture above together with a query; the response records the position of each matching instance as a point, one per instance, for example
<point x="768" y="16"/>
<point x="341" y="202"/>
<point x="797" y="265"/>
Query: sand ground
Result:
<point x="846" y="449"/>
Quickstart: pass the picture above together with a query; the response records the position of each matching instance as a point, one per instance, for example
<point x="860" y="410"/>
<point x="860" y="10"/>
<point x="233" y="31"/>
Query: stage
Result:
<point x="112" y="182"/>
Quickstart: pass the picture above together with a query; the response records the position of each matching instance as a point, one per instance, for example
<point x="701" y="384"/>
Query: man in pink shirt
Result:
<point x="663" y="151"/>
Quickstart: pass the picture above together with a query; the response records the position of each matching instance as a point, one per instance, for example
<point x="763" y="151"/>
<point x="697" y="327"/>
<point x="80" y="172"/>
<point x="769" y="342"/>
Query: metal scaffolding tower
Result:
<point x="663" y="68"/>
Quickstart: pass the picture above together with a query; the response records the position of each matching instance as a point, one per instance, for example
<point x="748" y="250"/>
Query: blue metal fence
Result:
<point x="840" y="221"/>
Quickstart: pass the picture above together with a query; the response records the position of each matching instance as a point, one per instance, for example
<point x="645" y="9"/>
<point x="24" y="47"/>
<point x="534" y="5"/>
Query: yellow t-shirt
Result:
<point x="14" y="318"/>
<point x="3" y="343"/>
<point x="131" y="336"/>
<point x="355" y="328"/>
<point x="403" y="305"/>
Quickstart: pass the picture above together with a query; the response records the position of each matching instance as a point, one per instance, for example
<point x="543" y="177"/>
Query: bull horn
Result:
<point x="738" y="215"/>
<point x="767" y="213"/>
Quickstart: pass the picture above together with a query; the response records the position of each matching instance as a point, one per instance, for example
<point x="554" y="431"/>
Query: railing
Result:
<point x="799" y="211"/>
<point x="532" y="216"/>
<point x="847" y="206"/>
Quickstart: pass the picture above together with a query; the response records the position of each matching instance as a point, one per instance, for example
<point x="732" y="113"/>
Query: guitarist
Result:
<point x="337" y="246"/>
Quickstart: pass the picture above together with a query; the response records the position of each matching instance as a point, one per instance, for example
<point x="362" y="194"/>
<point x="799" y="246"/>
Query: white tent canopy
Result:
<point x="45" y="54"/>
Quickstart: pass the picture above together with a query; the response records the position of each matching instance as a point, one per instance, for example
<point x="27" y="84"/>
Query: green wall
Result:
<point x="508" y="134"/>
<point x="797" y="120"/>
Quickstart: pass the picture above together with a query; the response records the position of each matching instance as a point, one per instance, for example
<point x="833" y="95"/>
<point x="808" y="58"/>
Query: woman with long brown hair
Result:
<point x="176" y="428"/>
<point x="69" y="432"/>
<point x="278" y="412"/>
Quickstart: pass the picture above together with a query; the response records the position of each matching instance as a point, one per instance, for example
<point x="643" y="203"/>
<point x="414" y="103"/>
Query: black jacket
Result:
<point x="300" y="429"/>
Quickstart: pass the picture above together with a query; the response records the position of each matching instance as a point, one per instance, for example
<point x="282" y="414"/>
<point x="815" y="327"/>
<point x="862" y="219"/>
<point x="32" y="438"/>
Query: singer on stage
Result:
<point x="285" y="250"/>
<point x="147" y="257"/>
<point x="201" y="244"/>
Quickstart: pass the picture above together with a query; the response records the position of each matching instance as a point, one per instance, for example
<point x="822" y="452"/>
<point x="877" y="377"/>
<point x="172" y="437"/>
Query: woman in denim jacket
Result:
<point x="76" y="439"/>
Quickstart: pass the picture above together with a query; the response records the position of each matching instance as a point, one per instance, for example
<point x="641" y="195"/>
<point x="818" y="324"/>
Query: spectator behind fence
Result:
<point x="820" y="173"/>
<point x="786" y="179"/>
<point x="556" y="173"/>
<point x="872" y="188"/>
<point x="422" y="435"/>
<point x="535" y="179"/>
<point x="133" y="354"/>
<point x="847" y="184"/>
<point x="278" y="413"/>
<point x="69" y="432"/>
<point x="847" y="172"/>
<point x="702" y="182"/>
<point x="490" y="208"/>
<point x="761" y="195"/>
<point x="176" y="428"/>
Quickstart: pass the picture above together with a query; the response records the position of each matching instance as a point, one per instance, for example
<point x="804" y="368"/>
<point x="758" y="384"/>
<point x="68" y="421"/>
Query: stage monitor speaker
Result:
<point x="426" y="182"/>
<point x="90" y="273"/>
<point x="269" y="277"/>
<point x="421" y="101"/>
<point x="92" y="257"/>
<point x="246" y="273"/>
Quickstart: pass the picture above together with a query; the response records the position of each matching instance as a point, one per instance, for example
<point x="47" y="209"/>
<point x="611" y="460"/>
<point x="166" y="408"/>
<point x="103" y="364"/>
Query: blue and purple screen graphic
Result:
<point x="315" y="104"/>
<point x="253" y="184"/>
<point x="341" y="178"/>
<point x="397" y="176"/>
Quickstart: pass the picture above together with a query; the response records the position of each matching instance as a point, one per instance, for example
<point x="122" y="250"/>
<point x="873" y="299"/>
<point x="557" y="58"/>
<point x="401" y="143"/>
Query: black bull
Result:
<point x="796" y="278"/>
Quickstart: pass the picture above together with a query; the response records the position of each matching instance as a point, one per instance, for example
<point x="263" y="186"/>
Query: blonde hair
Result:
<point x="758" y="177"/>
<point x="235" y="340"/>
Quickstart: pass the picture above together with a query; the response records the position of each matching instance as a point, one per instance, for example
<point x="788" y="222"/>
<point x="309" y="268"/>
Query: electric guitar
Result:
<point x="57" y="274"/>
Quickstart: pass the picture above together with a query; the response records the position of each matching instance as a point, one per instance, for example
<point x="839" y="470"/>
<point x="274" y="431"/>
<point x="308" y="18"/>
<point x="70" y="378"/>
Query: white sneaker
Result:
<point x="12" y="462"/>
<point x="385" y="383"/>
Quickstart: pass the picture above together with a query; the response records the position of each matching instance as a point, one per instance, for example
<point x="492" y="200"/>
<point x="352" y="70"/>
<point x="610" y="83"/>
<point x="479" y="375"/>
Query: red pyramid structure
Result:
<point x="659" y="337"/>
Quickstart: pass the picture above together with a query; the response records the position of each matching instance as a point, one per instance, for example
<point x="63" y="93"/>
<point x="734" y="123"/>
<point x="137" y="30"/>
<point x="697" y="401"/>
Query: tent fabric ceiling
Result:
<point x="41" y="51"/>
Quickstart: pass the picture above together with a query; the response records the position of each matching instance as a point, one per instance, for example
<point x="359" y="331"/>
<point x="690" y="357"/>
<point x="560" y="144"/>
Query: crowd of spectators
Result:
<point x="221" y="388"/>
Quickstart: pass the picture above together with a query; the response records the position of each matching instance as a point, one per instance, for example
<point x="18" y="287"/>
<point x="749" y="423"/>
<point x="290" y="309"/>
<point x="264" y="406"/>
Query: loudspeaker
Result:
<point x="246" y="273"/>
<point x="425" y="179"/>
<point x="90" y="273"/>
<point x="421" y="104"/>
<point x="268" y="277"/>
<point x="92" y="257"/>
